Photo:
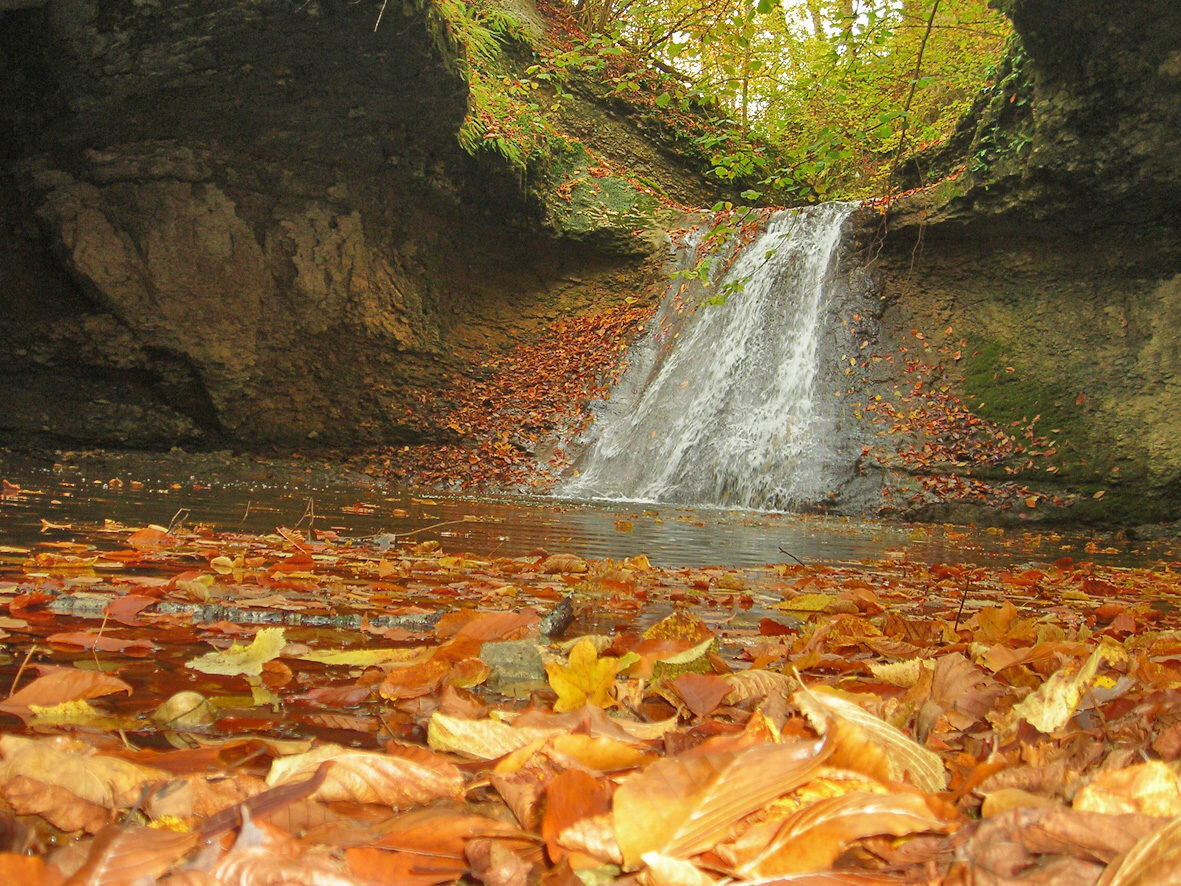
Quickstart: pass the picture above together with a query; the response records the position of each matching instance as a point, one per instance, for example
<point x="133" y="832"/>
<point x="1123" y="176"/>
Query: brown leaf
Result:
<point x="257" y="866"/>
<point x="680" y="806"/>
<point x="59" y="807"/>
<point x="813" y="837"/>
<point x="1004" y="846"/>
<point x="120" y="855"/>
<point x="701" y="693"/>
<point x="563" y="563"/>
<point x="367" y="777"/>
<point x="1154" y="861"/>
<point x="75" y="766"/>
<point x="62" y="685"/>
<point x="494" y="864"/>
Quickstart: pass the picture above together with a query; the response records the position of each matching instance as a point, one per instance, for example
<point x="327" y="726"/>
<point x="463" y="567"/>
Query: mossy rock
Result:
<point x="585" y="203"/>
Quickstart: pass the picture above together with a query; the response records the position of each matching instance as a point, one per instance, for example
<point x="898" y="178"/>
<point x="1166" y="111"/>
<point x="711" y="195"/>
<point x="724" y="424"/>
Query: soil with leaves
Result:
<point x="513" y="414"/>
<point x="195" y="707"/>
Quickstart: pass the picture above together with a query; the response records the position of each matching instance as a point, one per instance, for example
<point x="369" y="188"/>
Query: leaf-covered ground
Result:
<point x="512" y="413"/>
<point x="198" y="707"/>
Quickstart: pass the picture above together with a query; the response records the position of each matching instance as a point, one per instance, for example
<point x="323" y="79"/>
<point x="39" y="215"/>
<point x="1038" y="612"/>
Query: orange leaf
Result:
<point x="62" y="685"/>
<point x="122" y="854"/>
<point x="812" y="838"/>
<point x="572" y="796"/>
<point x="680" y="806"/>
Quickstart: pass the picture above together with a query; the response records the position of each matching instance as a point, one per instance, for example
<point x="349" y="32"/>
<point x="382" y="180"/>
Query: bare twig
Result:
<point x="963" y="600"/>
<point x="793" y="556"/>
<point x="21" y="669"/>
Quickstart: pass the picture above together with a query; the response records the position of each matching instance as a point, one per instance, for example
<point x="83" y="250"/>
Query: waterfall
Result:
<point x="718" y="404"/>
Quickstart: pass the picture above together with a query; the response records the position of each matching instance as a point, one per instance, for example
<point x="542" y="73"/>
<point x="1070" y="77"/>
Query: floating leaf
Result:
<point x="63" y="685"/>
<point x="241" y="660"/>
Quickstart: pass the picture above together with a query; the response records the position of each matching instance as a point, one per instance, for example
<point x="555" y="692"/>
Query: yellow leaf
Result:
<point x="364" y="658"/>
<point x="482" y="739"/>
<point x="865" y="743"/>
<point x="807" y="603"/>
<point x="586" y="679"/>
<point x="1050" y="706"/>
<point x="244" y="660"/>
<point x="73" y="713"/>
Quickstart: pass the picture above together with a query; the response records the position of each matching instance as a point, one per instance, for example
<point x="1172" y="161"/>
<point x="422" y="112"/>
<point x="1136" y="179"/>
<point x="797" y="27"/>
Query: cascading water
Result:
<point x="718" y="404"/>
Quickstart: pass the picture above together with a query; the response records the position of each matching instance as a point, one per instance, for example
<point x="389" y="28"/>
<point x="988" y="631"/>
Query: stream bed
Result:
<point x="232" y="493"/>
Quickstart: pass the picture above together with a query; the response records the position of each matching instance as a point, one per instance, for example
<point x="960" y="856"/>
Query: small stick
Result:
<point x="309" y="514"/>
<point x="102" y="627"/>
<point x="793" y="556"/>
<point x="178" y="518"/>
<point x="964" y="599"/>
<point x="21" y="669"/>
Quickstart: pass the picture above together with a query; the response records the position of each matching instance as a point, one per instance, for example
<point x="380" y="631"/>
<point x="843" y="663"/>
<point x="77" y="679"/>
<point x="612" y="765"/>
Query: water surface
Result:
<point x="236" y="493"/>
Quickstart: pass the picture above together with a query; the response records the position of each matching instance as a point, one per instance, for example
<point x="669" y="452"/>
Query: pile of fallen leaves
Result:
<point x="514" y="405"/>
<point x="216" y="708"/>
<point x="929" y="432"/>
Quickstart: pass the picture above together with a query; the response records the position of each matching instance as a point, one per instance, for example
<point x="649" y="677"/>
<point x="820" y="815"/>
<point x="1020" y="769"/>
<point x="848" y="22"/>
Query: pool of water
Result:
<point x="237" y="493"/>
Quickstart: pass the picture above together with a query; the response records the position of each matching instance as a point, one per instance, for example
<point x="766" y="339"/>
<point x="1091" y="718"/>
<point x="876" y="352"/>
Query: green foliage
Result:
<point x="813" y="96"/>
<point x="503" y="115"/>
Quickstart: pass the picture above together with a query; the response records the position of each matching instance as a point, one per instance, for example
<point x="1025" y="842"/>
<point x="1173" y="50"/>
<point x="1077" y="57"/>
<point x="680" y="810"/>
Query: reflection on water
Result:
<point x="242" y="494"/>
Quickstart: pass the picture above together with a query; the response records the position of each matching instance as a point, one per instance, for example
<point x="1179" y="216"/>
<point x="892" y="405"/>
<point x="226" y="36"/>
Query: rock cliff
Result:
<point x="251" y="223"/>
<point x="1045" y="270"/>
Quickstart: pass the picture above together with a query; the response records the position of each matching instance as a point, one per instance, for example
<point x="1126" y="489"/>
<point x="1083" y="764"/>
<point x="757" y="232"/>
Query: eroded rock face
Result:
<point x="1051" y="264"/>
<point x="250" y="222"/>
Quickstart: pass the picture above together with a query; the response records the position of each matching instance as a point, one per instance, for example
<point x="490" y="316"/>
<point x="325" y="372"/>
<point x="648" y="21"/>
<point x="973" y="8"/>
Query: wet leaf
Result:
<point x="63" y="685"/>
<point x="241" y="660"/>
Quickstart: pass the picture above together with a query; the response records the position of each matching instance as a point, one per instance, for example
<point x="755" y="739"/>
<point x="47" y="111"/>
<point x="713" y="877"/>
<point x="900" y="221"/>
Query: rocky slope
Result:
<point x="1045" y="272"/>
<point x="251" y="223"/>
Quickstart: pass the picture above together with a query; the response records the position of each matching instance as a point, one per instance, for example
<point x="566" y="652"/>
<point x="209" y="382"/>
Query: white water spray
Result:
<point x="717" y="405"/>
